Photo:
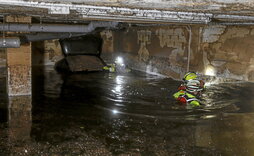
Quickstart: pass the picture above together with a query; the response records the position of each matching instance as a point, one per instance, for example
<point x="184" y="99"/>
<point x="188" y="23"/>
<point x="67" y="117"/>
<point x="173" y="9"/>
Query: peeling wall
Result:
<point x="159" y="50"/>
<point x="53" y="52"/>
<point x="164" y="50"/>
<point x="144" y="39"/>
<point x="231" y="53"/>
<point x="107" y="37"/>
<point x="47" y="52"/>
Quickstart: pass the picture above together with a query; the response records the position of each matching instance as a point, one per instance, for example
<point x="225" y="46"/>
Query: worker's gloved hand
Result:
<point x="182" y="99"/>
<point x="194" y="103"/>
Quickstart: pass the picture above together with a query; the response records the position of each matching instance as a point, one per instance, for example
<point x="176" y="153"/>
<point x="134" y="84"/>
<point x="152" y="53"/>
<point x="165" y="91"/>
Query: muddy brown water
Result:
<point x="124" y="114"/>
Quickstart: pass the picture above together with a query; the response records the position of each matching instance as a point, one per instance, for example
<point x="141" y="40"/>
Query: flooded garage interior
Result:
<point x="56" y="98"/>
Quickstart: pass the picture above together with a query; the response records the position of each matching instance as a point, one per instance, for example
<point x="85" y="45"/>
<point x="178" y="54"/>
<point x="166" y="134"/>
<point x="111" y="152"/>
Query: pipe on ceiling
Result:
<point x="48" y="36"/>
<point x="16" y="27"/>
<point x="9" y="42"/>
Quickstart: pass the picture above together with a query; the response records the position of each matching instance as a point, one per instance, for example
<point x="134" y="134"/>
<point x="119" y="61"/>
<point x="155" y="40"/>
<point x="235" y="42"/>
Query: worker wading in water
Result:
<point x="190" y="91"/>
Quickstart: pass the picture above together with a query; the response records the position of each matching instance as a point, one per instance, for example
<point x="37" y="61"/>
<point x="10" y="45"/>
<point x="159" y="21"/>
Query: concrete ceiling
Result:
<point x="136" y="11"/>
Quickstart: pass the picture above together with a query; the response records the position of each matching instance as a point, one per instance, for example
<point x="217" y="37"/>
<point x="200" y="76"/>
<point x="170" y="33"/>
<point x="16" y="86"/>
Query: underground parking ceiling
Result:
<point x="133" y="11"/>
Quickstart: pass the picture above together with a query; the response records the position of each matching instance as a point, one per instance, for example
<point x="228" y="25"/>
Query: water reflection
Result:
<point x="132" y="114"/>
<point x="119" y="87"/>
<point x="114" y="111"/>
<point x="19" y="118"/>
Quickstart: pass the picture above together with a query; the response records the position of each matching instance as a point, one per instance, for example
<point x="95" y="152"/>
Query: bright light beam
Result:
<point x="119" y="60"/>
<point x="210" y="71"/>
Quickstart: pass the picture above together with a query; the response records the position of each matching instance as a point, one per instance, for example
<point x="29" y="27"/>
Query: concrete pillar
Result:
<point x="19" y="118"/>
<point x="19" y="65"/>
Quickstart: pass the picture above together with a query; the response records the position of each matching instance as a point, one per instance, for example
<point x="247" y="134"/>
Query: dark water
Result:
<point x="132" y="114"/>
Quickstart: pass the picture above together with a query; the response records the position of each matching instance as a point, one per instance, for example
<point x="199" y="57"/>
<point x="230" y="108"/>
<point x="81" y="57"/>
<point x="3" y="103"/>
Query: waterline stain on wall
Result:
<point x="144" y="39"/>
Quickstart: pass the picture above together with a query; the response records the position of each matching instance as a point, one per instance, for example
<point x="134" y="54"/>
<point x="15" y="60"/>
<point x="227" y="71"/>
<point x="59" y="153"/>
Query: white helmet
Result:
<point x="193" y="86"/>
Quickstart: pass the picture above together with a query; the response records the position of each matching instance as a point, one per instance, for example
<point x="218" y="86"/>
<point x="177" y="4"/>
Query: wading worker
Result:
<point x="118" y="66"/>
<point x="190" y="94"/>
<point x="191" y="76"/>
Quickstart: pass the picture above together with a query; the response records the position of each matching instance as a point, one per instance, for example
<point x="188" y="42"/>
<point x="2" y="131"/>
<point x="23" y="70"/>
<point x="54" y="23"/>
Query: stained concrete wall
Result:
<point x="161" y="50"/>
<point x="46" y="52"/>
<point x="164" y="49"/>
<point x="229" y="50"/>
<point x="43" y="53"/>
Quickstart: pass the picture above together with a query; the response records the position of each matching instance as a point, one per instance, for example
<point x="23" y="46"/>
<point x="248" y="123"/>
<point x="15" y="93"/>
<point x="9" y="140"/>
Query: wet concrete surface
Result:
<point x="125" y="114"/>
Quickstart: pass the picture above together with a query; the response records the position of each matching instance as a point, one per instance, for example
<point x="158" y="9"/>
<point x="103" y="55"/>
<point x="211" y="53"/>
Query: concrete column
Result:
<point x="19" y="65"/>
<point x="19" y="118"/>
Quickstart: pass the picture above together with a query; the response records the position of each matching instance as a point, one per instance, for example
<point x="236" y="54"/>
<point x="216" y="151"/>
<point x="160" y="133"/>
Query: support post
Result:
<point x="19" y="65"/>
<point x="19" y="118"/>
<point x="19" y="78"/>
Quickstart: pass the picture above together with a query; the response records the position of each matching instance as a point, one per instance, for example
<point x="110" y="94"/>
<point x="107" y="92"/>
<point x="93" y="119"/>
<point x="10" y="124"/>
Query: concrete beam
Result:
<point x="153" y="11"/>
<point x="95" y="12"/>
<point x="65" y="6"/>
<point x="19" y="66"/>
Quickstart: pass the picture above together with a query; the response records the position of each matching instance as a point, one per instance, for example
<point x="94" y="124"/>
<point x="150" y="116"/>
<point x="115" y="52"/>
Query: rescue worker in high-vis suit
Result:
<point x="118" y="66"/>
<point x="191" y="76"/>
<point x="110" y="67"/>
<point x="190" y="90"/>
<point x="191" y="93"/>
